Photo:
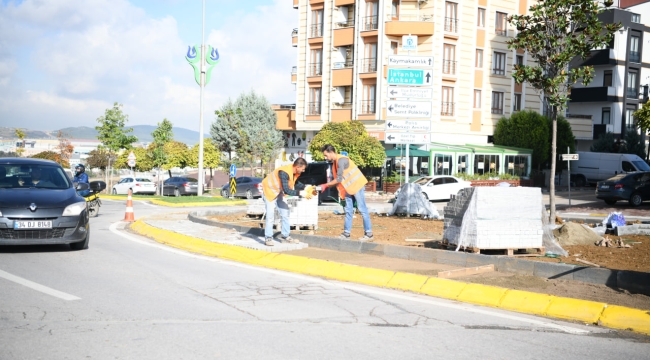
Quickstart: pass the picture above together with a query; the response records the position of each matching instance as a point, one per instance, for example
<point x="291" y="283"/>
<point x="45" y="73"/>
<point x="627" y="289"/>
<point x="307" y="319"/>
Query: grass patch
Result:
<point x="177" y="200"/>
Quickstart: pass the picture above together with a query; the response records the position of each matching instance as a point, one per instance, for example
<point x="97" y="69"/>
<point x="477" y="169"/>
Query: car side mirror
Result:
<point x="430" y="184"/>
<point x="81" y="186"/>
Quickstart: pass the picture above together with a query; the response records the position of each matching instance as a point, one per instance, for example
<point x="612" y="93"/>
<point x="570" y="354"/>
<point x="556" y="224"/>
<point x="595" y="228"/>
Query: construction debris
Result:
<point x="587" y="263"/>
<point x="608" y="242"/>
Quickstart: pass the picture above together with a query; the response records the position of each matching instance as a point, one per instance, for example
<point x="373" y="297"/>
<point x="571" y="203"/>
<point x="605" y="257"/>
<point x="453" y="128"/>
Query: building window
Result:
<point x="636" y="18"/>
<point x="629" y="118"/>
<point x="486" y="164"/>
<point x="516" y="103"/>
<point x="520" y="60"/>
<point x="394" y="45"/>
<point x="497" y="102"/>
<point x="480" y="17"/>
<point x="477" y="99"/>
<point x="606" y="116"/>
<point x="632" y="92"/>
<point x="500" y="27"/>
<point x="449" y="59"/>
<point x="370" y="20"/>
<point x="316" y="23"/>
<point x="368" y="102"/>
<point x="635" y="55"/>
<point x="479" y="58"/>
<point x="314" y="101"/>
<point x="499" y="63"/>
<point x="369" y="63"/>
<point x="607" y="78"/>
<point x="315" y="63"/>
<point x="394" y="9"/>
<point x="517" y="165"/>
<point x="447" y="106"/>
<point x="451" y="17"/>
<point x="461" y="165"/>
<point x="443" y="167"/>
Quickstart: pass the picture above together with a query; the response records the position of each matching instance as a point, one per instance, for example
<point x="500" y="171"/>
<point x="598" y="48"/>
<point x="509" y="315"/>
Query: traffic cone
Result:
<point x="128" y="216"/>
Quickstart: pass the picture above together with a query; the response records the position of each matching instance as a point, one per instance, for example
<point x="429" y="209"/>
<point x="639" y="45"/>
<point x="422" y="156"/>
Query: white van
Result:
<point x="592" y="167"/>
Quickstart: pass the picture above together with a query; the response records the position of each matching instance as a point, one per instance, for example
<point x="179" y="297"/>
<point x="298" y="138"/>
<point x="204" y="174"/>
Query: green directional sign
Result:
<point x="409" y="77"/>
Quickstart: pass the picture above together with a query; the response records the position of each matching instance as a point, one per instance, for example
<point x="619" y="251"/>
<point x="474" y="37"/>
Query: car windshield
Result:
<point x="641" y="165"/>
<point x="17" y="176"/>
<point x="142" y="180"/>
<point x="422" y="181"/>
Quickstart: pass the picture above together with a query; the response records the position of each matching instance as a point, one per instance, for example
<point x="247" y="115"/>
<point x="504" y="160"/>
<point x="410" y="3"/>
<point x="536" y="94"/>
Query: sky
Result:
<point x="64" y="62"/>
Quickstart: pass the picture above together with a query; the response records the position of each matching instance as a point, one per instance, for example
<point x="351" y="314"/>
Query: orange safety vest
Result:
<point x="353" y="180"/>
<point x="272" y="185"/>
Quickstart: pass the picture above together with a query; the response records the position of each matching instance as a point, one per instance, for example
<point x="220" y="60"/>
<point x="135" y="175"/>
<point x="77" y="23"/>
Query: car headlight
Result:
<point x="0" y="213"/>
<point x="74" y="209"/>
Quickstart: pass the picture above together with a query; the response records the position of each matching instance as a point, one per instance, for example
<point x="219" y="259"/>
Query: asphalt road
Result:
<point x="127" y="297"/>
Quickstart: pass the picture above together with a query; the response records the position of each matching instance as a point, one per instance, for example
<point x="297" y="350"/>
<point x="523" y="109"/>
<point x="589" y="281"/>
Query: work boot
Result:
<point x="344" y="236"/>
<point x="367" y="237"/>
<point x="288" y="240"/>
<point x="268" y="241"/>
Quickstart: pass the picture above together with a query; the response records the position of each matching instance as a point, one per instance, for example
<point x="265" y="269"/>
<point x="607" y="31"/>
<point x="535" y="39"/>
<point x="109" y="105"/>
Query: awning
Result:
<point x="413" y="152"/>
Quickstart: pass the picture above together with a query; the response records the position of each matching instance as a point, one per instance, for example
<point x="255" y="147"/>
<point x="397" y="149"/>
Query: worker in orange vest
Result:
<point x="350" y="183"/>
<point x="282" y="181"/>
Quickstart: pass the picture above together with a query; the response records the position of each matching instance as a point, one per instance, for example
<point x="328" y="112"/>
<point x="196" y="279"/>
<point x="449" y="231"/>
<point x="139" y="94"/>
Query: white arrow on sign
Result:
<point x="407" y="138"/>
<point x="408" y="125"/>
<point x="409" y="92"/>
<point x="569" y="157"/>
<point x="408" y="60"/>
<point x="412" y="109"/>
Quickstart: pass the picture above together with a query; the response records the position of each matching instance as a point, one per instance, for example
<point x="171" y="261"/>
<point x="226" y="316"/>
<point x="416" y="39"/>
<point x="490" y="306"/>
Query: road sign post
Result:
<point x="568" y="158"/>
<point x="233" y="187"/>
<point x="409" y="77"/>
<point x="131" y="162"/>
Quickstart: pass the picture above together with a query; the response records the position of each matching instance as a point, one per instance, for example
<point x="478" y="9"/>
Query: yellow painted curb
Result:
<point x="407" y="282"/>
<point x="524" y="301"/>
<point x="574" y="309"/>
<point x="482" y="294"/>
<point x="617" y="317"/>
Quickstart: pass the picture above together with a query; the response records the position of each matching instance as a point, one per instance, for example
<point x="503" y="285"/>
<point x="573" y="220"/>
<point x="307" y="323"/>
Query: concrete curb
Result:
<point x="589" y="312"/>
<point x="164" y="203"/>
<point x="638" y="282"/>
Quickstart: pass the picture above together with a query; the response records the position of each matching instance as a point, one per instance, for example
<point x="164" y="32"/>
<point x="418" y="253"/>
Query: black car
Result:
<point x="249" y="187"/>
<point x="40" y="205"/>
<point x="318" y="173"/>
<point x="180" y="185"/>
<point x="633" y="187"/>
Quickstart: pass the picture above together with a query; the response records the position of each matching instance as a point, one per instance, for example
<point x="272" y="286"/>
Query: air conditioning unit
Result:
<point x="609" y="128"/>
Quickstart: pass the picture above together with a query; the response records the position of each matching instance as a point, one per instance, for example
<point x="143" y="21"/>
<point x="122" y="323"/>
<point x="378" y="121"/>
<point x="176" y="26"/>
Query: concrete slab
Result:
<point x="517" y="266"/>
<point x="596" y="276"/>
<point x="554" y="271"/>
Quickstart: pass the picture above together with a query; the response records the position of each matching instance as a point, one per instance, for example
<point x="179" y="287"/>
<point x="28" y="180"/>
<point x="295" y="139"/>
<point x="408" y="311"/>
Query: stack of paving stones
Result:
<point x="497" y="218"/>
<point x="256" y="208"/>
<point x="454" y="213"/>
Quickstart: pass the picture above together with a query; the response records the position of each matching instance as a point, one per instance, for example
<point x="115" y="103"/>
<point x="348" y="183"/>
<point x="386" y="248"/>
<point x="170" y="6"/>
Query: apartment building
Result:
<point x="621" y="72"/>
<point x="342" y="64"/>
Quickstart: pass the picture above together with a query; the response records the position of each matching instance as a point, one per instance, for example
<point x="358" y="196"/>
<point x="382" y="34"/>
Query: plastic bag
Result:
<point x="614" y="219"/>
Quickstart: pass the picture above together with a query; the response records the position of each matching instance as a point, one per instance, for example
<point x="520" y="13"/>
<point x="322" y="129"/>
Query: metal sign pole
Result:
<point x="203" y="48"/>
<point x="568" y="151"/>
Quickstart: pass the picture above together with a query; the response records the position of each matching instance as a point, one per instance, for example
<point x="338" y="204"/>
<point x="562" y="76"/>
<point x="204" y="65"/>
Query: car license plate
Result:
<point x="33" y="224"/>
<point x="604" y="186"/>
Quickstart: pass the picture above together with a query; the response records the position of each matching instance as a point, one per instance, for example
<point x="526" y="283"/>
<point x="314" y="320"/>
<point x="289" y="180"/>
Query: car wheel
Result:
<point x="177" y="192"/>
<point x="636" y="199"/>
<point x="224" y="193"/>
<point x="249" y="195"/>
<point x="610" y="202"/>
<point x="425" y="195"/>
<point x="83" y="244"/>
<point x="114" y="191"/>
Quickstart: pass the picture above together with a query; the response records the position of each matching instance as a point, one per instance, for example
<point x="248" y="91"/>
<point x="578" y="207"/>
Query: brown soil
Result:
<point x="395" y="230"/>
<point x="575" y="234"/>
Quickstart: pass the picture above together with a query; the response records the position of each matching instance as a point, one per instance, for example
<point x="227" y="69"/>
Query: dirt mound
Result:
<point x="575" y="234"/>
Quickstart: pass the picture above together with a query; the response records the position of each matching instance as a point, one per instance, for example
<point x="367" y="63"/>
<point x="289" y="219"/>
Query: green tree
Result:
<point x="525" y="129"/>
<point x="642" y="118"/>
<point x="47" y="155"/>
<point x="633" y="144"/>
<point x="350" y="136"/>
<point x="98" y="159"/>
<point x="211" y="157"/>
<point x="604" y="143"/>
<point x="226" y="128"/>
<point x="163" y="134"/>
<point x="178" y="155"/>
<point x="143" y="162"/>
<point x="112" y="134"/>
<point x="553" y="33"/>
<point x="565" y="138"/>
<point x="20" y="149"/>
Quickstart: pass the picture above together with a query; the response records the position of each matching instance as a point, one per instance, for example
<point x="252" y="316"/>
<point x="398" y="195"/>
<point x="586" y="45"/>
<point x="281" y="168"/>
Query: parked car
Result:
<point x="249" y="187"/>
<point x="633" y="187"/>
<point x="180" y="185"/>
<point x="440" y="187"/>
<point x="40" y="205"/>
<point x="318" y="173"/>
<point x="137" y="184"/>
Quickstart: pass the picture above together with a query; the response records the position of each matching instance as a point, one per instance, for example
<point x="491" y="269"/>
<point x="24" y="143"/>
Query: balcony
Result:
<point x="581" y="126"/>
<point x="316" y="31"/>
<point x="368" y="65"/>
<point x="405" y="24"/>
<point x="294" y="74"/>
<point x="367" y="107"/>
<point x="315" y="69"/>
<point x="343" y="37"/>
<point x="344" y="24"/>
<point x="594" y="94"/>
<point x="285" y="117"/>
<point x="451" y="25"/>
<point x="343" y="2"/>
<point x="447" y="109"/>
<point x="294" y="37"/>
<point x="295" y="3"/>
<point x="341" y="112"/>
<point x="343" y="64"/>
<point x="449" y="67"/>
<point x="632" y="93"/>
<point x="497" y="110"/>
<point x="595" y="57"/>
<point x="313" y="108"/>
<point x="497" y="71"/>
<point x="342" y="76"/>
<point x="635" y="56"/>
<point x="369" y="23"/>
<point x="501" y="32"/>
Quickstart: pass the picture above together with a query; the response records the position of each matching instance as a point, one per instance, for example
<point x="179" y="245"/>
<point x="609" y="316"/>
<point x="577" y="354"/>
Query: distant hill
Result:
<point x="143" y="132"/>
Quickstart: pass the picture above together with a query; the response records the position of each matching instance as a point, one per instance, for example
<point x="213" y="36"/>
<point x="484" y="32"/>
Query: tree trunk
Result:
<point x="553" y="161"/>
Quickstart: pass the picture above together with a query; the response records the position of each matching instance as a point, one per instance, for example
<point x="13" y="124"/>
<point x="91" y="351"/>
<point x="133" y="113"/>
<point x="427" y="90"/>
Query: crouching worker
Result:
<point x="350" y="183"/>
<point x="282" y="182"/>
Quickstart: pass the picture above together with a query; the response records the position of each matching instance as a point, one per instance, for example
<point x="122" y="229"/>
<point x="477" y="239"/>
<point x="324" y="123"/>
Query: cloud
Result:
<point x="62" y="63"/>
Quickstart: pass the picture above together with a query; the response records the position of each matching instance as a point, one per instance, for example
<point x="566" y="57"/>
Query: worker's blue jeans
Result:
<point x="360" y="197"/>
<point x="283" y="209"/>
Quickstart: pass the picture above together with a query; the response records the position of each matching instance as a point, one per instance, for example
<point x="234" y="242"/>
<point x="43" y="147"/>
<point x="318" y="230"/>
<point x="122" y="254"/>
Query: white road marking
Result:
<point x="362" y="288"/>
<point x="144" y="202"/>
<point x="38" y="287"/>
